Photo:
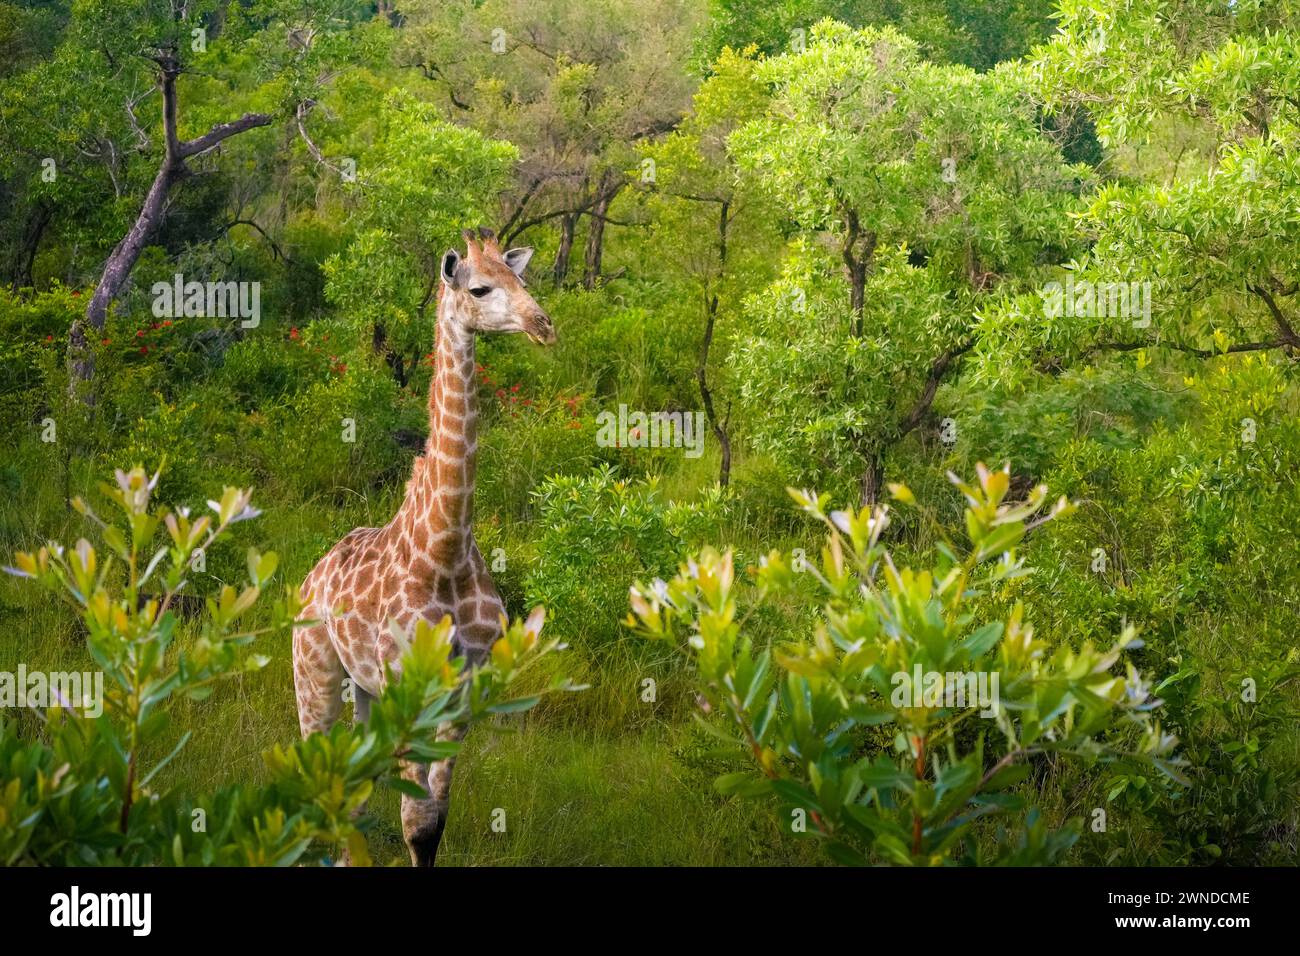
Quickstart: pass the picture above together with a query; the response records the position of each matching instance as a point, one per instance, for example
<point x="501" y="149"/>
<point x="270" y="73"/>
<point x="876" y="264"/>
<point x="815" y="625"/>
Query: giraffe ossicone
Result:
<point x="424" y="563"/>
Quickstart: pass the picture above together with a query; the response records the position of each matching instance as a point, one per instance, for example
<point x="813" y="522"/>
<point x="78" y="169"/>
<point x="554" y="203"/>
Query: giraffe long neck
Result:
<point x="439" y="506"/>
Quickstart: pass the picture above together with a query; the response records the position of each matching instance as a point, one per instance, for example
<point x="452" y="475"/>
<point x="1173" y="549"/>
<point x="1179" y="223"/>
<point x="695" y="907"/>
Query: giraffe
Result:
<point x="423" y="563"/>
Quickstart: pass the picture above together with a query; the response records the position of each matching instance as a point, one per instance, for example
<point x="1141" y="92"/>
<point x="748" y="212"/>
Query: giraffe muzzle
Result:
<point x="541" y="330"/>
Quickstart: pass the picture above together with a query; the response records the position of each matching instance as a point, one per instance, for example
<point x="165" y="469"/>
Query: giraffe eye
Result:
<point x="479" y="291"/>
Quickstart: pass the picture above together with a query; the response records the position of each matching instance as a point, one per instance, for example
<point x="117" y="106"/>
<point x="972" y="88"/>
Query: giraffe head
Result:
<point x="489" y="288"/>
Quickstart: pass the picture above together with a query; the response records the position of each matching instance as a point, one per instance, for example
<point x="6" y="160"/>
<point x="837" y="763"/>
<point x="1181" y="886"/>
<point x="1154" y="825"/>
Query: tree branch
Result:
<point x="938" y="370"/>
<point x="221" y="132"/>
<point x="1053" y="366"/>
<point x="1288" y="333"/>
<point x="275" y="249"/>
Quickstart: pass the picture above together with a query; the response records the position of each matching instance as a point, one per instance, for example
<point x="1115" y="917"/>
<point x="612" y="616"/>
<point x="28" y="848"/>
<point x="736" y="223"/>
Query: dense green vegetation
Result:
<point x="874" y="246"/>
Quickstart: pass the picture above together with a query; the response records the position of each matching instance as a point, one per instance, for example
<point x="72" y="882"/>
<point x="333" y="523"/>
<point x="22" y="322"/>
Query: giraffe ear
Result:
<point x="517" y="260"/>
<point x="450" y="262"/>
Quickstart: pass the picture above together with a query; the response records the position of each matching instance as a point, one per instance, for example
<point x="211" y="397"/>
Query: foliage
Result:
<point x="978" y="35"/>
<point x="599" y="532"/>
<point x="804" y="712"/>
<point x="939" y="189"/>
<point x="88" y="797"/>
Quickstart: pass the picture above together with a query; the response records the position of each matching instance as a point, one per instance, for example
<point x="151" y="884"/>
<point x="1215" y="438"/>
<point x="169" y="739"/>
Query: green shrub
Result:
<point x="599" y="532"/>
<point x="88" y="796"/>
<point x="338" y="433"/>
<point x="806" y="715"/>
<point x="1240" y="809"/>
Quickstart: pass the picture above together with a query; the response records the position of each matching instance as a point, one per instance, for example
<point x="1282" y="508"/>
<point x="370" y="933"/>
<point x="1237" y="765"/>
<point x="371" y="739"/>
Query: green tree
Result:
<point x="937" y="191"/>
<point x="418" y="184"/>
<point x="706" y="224"/>
<point x="578" y="88"/>
<point x="979" y="35"/>
<point x="1206" y="233"/>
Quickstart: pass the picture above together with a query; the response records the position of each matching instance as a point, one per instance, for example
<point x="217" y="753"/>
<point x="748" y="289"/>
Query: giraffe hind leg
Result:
<point x="317" y="678"/>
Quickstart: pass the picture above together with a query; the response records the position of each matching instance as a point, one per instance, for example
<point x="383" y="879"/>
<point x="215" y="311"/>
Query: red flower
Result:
<point x="76" y="295"/>
<point x="501" y="393"/>
<point x="295" y="334"/>
<point x="49" y="338"/>
<point x="167" y="323"/>
<point x="514" y="387"/>
<point x="140" y="334"/>
<point x="144" y="350"/>
<point x="105" y="342"/>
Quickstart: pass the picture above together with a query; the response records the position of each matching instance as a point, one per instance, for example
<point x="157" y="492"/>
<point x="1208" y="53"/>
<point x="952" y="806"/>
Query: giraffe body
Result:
<point x="424" y="563"/>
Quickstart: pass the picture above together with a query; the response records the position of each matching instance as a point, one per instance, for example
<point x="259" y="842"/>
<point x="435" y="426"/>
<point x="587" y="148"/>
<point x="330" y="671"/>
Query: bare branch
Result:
<point x="222" y="131"/>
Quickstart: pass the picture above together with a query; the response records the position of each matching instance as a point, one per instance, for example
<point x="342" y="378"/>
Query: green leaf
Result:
<point x="983" y="640"/>
<point x="1008" y="776"/>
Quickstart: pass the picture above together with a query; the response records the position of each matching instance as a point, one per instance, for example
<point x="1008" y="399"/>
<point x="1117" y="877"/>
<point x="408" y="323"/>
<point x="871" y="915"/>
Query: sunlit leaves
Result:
<point x="897" y="646"/>
<point x="64" y="801"/>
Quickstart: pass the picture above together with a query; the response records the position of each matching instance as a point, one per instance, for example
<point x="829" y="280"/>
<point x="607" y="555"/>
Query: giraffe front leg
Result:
<point x="317" y="678"/>
<point x="423" y="821"/>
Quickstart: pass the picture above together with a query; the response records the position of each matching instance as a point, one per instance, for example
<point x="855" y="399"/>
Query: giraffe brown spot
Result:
<point x="418" y="592"/>
<point x="446" y="591"/>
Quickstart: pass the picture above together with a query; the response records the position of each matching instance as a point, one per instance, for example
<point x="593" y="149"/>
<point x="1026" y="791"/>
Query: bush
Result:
<point x="807" y="715"/>
<point x="338" y="433"/>
<point x="599" y="532"/>
<point x="89" y="796"/>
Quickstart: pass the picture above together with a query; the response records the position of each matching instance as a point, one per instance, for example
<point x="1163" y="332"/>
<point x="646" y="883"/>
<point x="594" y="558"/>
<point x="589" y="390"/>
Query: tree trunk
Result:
<point x="873" y="477"/>
<point x="596" y="233"/>
<point x="857" y="264"/>
<point x="561" y="268"/>
<point x="701" y="375"/>
<point x="379" y="343"/>
<point x="702" y="370"/>
<point x="23" y="275"/>
<point x="117" y="270"/>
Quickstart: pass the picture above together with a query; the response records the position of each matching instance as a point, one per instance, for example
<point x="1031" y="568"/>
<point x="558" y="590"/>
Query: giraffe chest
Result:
<point x="359" y="622"/>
